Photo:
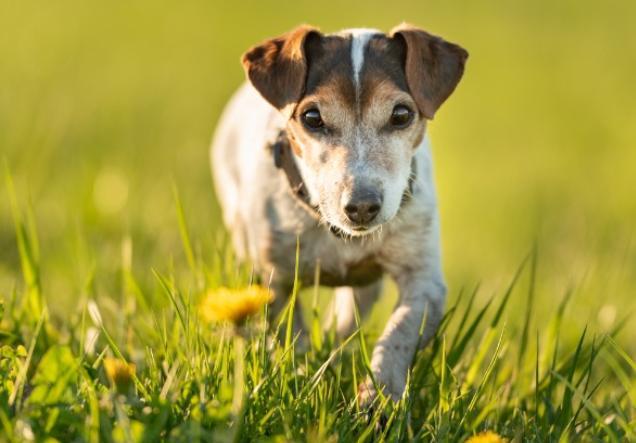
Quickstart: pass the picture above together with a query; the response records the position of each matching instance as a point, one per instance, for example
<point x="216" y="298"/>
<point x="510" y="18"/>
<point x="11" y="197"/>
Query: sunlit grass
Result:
<point x="157" y="372"/>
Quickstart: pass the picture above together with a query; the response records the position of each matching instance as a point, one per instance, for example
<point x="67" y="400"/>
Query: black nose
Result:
<point x="363" y="206"/>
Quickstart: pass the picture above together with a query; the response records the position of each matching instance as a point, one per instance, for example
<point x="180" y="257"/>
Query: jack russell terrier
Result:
<point x="326" y="143"/>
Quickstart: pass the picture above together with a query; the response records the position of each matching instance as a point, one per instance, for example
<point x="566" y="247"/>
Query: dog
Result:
<point x="326" y="144"/>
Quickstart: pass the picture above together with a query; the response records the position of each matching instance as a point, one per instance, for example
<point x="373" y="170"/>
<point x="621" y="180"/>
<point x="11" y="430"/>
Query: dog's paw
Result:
<point x="367" y="394"/>
<point x="370" y="403"/>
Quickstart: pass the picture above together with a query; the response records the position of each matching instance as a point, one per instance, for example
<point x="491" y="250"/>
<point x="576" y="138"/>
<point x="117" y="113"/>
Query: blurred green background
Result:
<point x="104" y="105"/>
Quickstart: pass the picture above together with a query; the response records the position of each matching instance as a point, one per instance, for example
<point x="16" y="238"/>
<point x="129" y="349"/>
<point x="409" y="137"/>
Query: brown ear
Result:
<point x="278" y="67"/>
<point x="433" y="67"/>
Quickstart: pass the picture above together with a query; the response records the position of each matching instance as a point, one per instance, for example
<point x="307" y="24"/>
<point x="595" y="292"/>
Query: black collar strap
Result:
<point x="284" y="159"/>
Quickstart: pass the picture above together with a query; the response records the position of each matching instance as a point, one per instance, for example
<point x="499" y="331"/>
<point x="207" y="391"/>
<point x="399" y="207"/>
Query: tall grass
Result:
<point x="476" y="375"/>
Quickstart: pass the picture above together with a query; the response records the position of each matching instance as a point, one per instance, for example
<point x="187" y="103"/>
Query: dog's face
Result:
<point x="357" y="103"/>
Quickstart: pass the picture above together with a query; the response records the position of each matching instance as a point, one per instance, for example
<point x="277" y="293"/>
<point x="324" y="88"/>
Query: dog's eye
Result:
<point x="312" y="119"/>
<point x="401" y="117"/>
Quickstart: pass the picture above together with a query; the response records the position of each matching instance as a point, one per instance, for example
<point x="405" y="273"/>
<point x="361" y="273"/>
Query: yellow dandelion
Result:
<point x="120" y="373"/>
<point x="486" y="437"/>
<point x="234" y="305"/>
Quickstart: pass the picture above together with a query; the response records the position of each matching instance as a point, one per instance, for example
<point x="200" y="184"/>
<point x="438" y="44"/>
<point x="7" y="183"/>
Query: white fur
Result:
<point x="359" y="39"/>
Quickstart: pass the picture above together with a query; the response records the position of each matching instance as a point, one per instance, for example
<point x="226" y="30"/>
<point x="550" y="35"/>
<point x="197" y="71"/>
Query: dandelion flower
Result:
<point x="120" y="373"/>
<point x="486" y="437"/>
<point x="233" y="305"/>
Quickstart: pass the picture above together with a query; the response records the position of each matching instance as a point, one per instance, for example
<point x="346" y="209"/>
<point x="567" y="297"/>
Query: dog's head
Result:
<point x="357" y="103"/>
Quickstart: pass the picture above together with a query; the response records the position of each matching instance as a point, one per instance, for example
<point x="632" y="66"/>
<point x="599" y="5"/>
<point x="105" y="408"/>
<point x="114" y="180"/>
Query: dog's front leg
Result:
<point x="421" y="300"/>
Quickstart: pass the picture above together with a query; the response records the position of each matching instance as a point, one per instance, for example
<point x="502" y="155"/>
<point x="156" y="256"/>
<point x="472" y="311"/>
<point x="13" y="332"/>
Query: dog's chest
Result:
<point x="344" y="262"/>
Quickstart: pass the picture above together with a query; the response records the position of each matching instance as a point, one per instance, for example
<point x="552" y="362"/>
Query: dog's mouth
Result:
<point x="364" y="230"/>
<point x="343" y="228"/>
<point x="358" y="231"/>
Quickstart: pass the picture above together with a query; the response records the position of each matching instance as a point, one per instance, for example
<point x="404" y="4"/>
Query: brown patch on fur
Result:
<point x="335" y="98"/>
<point x="361" y="273"/>
<point x="336" y="86"/>
<point x="328" y="79"/>
<point x="377" y="86"/>
<point x="330" y="72"/>
<point x="277" y="67"/>
<point x="383" y="68"/>
<point x="294" y="144"/>
<point x="420" y="135"/>
<point x="433" y="67"/>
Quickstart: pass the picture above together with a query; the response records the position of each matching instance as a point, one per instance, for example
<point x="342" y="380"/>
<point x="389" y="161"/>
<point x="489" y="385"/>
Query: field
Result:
<point x="110" y="234"/>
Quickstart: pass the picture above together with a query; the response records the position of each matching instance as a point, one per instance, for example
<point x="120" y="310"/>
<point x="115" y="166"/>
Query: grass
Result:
<point x="106" y="109"/>
<point x="211" y="383"/>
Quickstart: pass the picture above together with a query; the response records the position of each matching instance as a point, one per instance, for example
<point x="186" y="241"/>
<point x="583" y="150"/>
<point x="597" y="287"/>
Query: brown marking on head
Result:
<point x="330" y="71"/>
<point x="383" y="68"/>
<point x="433" y="66"/>
<point x="293" y="143"/>
<point x="420" y="135"/>
<point x="327" y="85"/>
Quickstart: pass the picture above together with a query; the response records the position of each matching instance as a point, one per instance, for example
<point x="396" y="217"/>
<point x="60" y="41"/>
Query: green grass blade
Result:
<point x="183" y="231"/>
<point x="589" y="407"/>
<point x="458" y="348"/>
<point x="16" y="394"/>
<point x="566" y="405"/>
<point x="467" y="312"/>
<point x="529" y="307"/>
<point x="167" y="289"/>
<point x="622" y="353"/>
<point x="28" y="256"/>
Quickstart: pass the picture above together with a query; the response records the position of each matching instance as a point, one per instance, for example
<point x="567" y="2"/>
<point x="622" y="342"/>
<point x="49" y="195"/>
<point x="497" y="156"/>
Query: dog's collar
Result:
<point x="284" y="159"/>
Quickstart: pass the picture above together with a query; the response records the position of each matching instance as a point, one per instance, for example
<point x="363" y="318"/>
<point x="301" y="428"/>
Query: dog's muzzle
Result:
<point x="362" y="207"/>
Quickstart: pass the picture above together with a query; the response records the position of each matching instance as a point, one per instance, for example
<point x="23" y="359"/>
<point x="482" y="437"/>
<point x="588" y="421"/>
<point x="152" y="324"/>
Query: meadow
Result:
<point x="110" y="233"/>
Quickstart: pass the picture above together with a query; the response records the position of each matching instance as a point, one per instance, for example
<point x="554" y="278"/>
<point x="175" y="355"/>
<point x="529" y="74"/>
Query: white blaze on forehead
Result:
<point x="359" y="39"/>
